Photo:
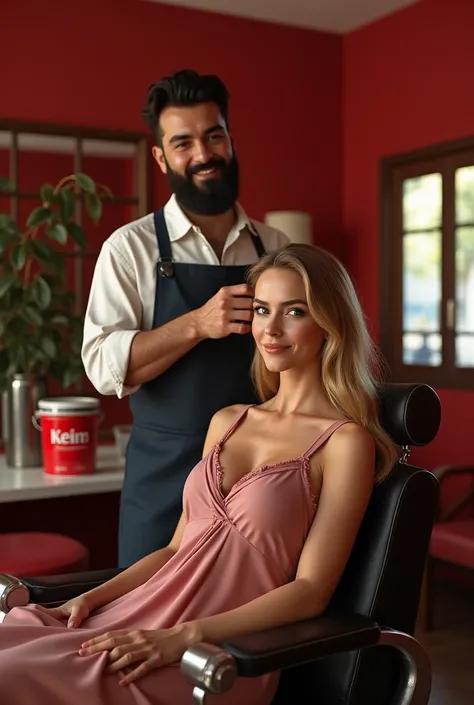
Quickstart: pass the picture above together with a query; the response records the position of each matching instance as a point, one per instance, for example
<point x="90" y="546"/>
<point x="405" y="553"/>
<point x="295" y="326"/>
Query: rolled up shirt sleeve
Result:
<point x="112" y="320"/>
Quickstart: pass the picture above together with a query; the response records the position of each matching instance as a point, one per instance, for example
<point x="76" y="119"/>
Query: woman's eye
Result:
<point x="296" y="312"/>
<point x="260" y="309"/>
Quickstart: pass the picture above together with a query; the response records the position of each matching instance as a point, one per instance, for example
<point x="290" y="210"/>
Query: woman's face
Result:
<point x="286" y="335"/>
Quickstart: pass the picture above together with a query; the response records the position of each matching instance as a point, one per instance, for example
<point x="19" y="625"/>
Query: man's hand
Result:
<point x="229" y="311"/>
<point x="140" y="651"/>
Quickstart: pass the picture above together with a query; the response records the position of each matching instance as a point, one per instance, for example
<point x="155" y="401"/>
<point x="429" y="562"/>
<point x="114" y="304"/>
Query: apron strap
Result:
<point x="165" y="265"/>
<point x="256" y="239"/>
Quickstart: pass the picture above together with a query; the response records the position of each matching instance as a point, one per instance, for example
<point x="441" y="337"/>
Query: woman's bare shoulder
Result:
<point x="351" y="443"/>
<point x="352" y="435"/>
<point x="221" y="422"/>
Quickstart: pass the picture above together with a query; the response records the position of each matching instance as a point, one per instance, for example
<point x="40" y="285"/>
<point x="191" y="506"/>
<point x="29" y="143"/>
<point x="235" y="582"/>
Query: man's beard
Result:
<point x="214" y="196"/>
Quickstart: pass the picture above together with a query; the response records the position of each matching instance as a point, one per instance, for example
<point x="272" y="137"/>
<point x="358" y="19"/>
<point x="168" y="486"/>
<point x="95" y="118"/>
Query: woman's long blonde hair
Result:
<point x="350" y="365"/>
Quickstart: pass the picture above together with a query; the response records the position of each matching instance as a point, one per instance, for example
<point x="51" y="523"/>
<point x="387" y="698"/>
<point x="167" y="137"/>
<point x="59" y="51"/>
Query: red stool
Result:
<point x="34" y="554"/>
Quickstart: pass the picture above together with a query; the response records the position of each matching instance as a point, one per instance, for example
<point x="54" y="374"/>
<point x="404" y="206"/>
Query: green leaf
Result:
<point x="67" y="204"/>
<point x="5" y="239"/>
<point x="71" y="376"/>
<point x="6" y="184"/>
<point x="22" y="352"/>
<point x="94" y="206"/>
<point x="32" y="315"/>
<point x="6" y="281"/>
<point x="8" y="366"/>
<point x="57" y="232"/>
<point x="38" y="216"/>
<point x="42" y="250"/>
<point x="49" y="347"/>
<point x="16" y="295"/>
<point x="85" y="182"/>
<point x="41" y="292"/>
<point x="59" y="319"/>
<point x="47" y="193"/>
<point x="7" y="224"/>
<point x="18" y="257"/>
<point x="78" y="235"/>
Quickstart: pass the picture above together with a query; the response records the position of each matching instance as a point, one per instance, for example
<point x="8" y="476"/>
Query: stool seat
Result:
<point x="34" y="554"/>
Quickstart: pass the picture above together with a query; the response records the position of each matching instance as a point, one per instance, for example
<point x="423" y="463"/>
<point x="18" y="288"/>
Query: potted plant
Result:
<point x="40" y="334"/>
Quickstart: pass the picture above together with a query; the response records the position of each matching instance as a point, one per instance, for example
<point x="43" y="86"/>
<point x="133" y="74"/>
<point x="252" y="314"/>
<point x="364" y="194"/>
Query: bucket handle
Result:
<point x="37" y="424"/>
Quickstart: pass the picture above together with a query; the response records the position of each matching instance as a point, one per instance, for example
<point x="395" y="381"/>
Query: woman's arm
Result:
<point x="348" y="479"/>
<point x="136" y="574"/>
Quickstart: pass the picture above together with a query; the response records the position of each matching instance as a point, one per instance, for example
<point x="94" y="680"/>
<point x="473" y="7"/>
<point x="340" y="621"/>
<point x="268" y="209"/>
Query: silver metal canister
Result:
<point x="19" y="402"/>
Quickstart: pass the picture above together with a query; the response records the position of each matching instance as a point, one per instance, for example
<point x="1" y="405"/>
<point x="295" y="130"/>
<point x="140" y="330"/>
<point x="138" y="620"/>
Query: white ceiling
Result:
<point x="339" y="16"/>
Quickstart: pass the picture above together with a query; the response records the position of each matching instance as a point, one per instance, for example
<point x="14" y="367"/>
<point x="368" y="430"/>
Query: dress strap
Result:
<point x="324" y="437"/>
<point x="237" y="421"/>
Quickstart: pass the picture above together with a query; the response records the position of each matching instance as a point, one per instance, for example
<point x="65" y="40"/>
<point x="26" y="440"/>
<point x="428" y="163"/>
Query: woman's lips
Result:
<point x="276" y="349"/>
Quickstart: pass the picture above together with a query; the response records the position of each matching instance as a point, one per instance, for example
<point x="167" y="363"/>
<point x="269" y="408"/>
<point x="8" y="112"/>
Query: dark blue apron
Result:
<point x="171" y="413"/>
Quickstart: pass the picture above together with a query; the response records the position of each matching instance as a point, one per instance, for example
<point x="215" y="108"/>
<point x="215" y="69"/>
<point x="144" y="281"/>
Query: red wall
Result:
<point x="91" y="63"/>
<point x="407" y="83"/>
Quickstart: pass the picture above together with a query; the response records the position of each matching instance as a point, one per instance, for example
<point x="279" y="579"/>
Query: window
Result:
<point x="32" y="154"/>
<point x="427" y="269"/>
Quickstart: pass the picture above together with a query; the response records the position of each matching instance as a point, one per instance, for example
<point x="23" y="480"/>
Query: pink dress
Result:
<point x="234" y="549"/>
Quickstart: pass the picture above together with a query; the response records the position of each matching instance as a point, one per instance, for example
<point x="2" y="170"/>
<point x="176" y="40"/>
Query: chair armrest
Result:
<point x="59" y="588"/>
<point x="444" y="471"/>
<point x="215" y="668"/>
<point x="301" y="642"/>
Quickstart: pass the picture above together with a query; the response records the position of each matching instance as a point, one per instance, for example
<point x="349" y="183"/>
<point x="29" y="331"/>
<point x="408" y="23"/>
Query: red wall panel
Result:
<point x="406" y="84"/>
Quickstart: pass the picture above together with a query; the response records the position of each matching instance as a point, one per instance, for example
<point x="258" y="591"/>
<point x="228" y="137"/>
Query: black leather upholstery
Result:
<point x="282" y="647"/>
<point x="410" y="413"/>
<point x="59" y="588"/>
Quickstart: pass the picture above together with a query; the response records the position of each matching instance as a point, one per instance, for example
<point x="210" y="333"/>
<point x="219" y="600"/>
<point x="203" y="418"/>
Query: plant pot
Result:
<point x="19" y="402"/>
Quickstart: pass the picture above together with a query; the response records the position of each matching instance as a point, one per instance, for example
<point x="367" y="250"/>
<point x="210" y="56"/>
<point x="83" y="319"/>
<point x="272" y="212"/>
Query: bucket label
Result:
<point x="70" y="438"/>
<point x="69" y="443"/>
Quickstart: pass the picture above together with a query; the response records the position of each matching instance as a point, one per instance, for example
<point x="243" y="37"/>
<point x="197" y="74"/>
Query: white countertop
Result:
<point x="32" y="483"/>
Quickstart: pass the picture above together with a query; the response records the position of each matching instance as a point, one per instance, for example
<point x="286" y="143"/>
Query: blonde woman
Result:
<point x="270" y="513"/>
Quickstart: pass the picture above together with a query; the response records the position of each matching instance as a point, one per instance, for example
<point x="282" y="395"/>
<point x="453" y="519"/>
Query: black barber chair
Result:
<point x="362" y="651"/>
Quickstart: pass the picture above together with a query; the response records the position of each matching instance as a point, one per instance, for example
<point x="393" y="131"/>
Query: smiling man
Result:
<point x="169" y="313"/>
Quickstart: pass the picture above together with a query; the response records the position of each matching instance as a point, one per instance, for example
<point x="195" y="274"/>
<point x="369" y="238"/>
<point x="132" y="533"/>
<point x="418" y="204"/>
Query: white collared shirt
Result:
<point x="122" y="295"/>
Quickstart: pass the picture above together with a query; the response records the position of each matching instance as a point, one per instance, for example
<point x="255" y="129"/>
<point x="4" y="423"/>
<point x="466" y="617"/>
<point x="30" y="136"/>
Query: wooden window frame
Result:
<point x="142" y="199"/>
<point x="444" y="158"/>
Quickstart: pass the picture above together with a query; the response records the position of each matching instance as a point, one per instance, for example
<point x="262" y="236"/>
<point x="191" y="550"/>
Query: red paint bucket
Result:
<point x="69" y="427"/>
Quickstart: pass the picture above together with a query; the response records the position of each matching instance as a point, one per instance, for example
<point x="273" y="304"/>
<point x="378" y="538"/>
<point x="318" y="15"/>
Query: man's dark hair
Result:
<point x="183" y="88"/>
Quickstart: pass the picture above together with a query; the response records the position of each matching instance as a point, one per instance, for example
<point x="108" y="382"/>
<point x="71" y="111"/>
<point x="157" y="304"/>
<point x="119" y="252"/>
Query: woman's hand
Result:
<point x="75" y="611"/>
<point x="145" y="649"/>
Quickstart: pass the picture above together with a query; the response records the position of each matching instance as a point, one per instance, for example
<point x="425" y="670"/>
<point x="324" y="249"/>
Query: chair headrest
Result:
<point x="410" y="413"/>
